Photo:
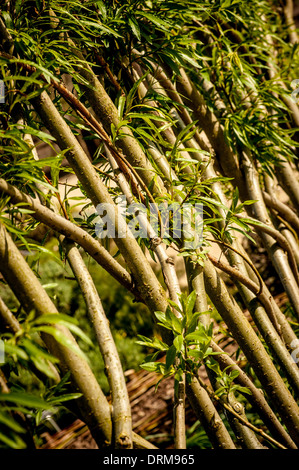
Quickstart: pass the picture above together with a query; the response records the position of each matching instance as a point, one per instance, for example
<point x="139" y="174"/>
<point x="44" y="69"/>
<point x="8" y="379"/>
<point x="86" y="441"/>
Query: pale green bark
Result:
<point x="27" y="288"/>
<point x="148" y="286"/>
<point x="121" y="410"/>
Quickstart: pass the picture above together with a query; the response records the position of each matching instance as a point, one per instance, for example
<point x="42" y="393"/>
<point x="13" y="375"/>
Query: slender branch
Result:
<point x="256" y="397"/>
<point x="141" y="443"/>
<point x="205" y="410"/>
<point x="286" y="212"/>
<point x="281" y="241"/>
<point x="253" y="349"/>
<point x="180" y="415"/>
<point x="72" y="231"/>
<point x="230" y="247"/>
<point x="290" y="22"/>
<point x="277" y="255"/>
<point x="147" y="283"/>
<point x="238" y="416"/>
<point x="32" y="296"/>
<point x="238" y="276"/>
<point x="8" y="318"/>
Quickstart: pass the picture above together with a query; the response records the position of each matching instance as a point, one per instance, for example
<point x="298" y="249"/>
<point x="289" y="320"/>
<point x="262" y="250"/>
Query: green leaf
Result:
<point x="25" y="399"/>
<point x="41" y="135"/>
<point x="13" y="349"/>
<point x="57" y="388"/>
<point x="163" y="320"/>
<point x="195" y="353"/>
<point x="198" y="335"/>
<point x="178" y="342"/>
<point x="214" y="365"/>
<point x="152" y="343"/>
<point x="40" y="358"/>
<point x="241" y="389"/>
<point x="64" y="320"/>
<point x="170" y="356"/>
<point x="101" y="6"/>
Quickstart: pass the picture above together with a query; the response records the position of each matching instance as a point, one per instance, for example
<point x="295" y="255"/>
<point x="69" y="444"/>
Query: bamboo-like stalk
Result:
<point x="3" y="384"/>
<point x="141" y="443"/>
<point x="238" y="276"/>
<point x="148" y="286"/>
<point x="281" y="240"/>
<point x="180" y="415"/>
<point x="253" y="350"/>
<point x="284" y="218"/>
<point x="32" y="296"/>
<point x="195" y="279"/>
<point x="256" y="397"/>
<point x="290" y="22"/>
<point x="121" y="410"/>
